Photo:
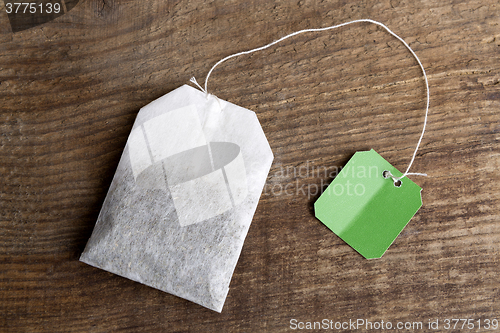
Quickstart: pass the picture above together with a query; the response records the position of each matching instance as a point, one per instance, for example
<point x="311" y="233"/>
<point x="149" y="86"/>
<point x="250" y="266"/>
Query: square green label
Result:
<point x="365" y="209"/>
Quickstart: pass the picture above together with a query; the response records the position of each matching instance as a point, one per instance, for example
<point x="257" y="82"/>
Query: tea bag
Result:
<point x="183" y="196"/>
<point x="188" y="183"/>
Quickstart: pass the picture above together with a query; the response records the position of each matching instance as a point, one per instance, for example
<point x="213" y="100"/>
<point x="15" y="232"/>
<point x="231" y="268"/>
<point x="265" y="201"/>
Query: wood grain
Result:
<point x="71" y="88"/>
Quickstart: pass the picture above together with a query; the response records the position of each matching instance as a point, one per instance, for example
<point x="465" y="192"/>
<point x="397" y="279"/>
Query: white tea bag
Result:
<point x="183" y="196"/>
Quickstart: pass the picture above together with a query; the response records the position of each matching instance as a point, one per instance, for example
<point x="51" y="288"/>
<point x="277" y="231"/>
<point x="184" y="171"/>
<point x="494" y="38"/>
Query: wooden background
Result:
<point x="71" y="88"/>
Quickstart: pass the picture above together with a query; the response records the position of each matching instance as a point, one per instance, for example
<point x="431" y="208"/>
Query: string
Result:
<point x="395" y="179"/>
<point x="193" y="80"/>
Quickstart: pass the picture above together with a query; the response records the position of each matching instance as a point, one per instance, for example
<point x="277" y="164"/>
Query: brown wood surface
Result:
<point x="71" y="88"/>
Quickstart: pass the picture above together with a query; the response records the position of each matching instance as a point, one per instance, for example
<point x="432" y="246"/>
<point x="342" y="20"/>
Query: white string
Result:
<point x="330" y="28"/>
<point x="193" y="79"/>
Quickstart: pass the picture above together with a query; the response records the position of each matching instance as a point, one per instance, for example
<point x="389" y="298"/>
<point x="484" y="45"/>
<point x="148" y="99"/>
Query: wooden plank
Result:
<point x="70" y="90"/>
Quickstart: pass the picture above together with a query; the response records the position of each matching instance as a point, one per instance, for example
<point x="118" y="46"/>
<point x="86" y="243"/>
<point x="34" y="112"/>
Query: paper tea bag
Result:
<point x="183" y="196"/>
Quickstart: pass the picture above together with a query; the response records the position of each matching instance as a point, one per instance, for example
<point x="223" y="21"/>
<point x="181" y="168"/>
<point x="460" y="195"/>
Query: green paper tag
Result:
<point x="366" y="209"/>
